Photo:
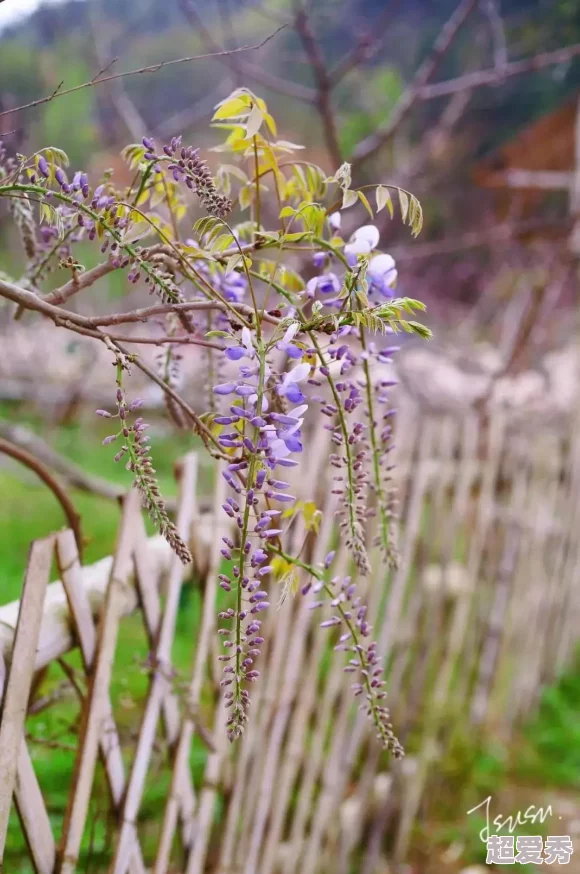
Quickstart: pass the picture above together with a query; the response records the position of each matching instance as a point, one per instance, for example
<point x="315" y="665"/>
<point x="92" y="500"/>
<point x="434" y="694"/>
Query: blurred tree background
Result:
<point x="437" y="152"/>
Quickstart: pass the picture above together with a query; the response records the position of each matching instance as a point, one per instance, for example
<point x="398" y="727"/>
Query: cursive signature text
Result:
<point x="531" y="815"/>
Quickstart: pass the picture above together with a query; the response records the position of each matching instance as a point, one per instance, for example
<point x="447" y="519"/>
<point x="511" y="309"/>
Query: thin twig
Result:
<point x="68" y="508"/>
<point x="476" y="239"/>
<point x="142" y="315"/>
<point x="81" y="325"/>
<point x="258" y="74"/>
<point x="369" y="146"/>
<point x="153" y="68"/>
<point x="75" y="476"/>
<point x="366" y="47"/>
<point x="500" y="54"/>
<point x="79" y="282"/>
<point x="323" y="98"/>
<point x="490" y="77"/>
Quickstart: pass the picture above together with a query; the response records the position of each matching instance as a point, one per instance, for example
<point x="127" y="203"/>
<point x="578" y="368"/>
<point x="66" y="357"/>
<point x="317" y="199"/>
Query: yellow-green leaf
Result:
<point x="383" y="196"/>
<point x="363" y="199"/>
<point x="232" y="262"/>
<point x="404" y="201"/>
<point x="349" y="198"/>
<point x="232" y="108"/>
<point x="254" y="122"/>
<point x="245" y="197"/>
<point x="312" y="516"/>
<point x="270" y="123"/>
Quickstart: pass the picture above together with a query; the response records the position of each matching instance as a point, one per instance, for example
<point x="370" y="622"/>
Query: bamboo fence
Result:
<point x="481" y="614"/>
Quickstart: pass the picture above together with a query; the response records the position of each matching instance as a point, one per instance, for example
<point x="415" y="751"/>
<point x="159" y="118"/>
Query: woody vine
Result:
<point x="280" y="351"/>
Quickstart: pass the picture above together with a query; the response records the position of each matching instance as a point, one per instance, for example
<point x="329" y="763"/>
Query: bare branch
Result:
<point x="82" y="325"/>
<point x="428" y="68"/>
<point x="78" y="283"/>
<point x="153" y="68"/>
<point x="187" y="118"/>
<point x="483" y="78"/>
<point x="515" y="178"/>
<point x="476" y="239"/>
<point x="436" y="139"/>
<point x="123" y="105"/>
<point x="500" y="54"/>
<point x="68" y="508"/>
<point x="159" y="341"/>
<point x="161" y="309"/>
<point x="258" y="74"/>
<point x="366" y="47"/>
<point x="323" y="98"/>
<point x="75" y="476"/>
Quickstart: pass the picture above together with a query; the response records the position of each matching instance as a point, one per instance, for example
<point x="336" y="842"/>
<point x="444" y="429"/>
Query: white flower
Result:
<point x="363" y="241"/>
<point x="382" y="271"/>
<point x="247" y="342"/>
<point x="334" y="220"/>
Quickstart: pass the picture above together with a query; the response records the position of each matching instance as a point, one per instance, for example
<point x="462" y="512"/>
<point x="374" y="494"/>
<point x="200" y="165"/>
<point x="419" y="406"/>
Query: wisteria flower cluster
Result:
<point x="280" y="352"/>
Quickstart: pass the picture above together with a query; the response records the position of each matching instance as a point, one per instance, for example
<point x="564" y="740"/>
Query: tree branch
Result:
<point x="153" y="68"/>
<point x="82" y="325"/>
<point x="142" y="315"/>
<point x="377" y="140"/>
<point x="258" y="74"/>
<point x="483" y="78"/>
<point x="75" y="476"/>
<point x="515" y="178"/>
<point x="366" y="47"/>
<point x="500" y="55"/>
<point x="323" y="98"/>
<point x="476" y="239"/>
<point x="80" y="281"/>
<point x="68" y="508"/>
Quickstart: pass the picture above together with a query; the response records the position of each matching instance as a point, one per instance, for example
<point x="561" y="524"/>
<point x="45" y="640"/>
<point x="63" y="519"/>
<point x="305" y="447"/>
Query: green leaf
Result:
<point x="287" y="211"/>
<point x="383" y="196"/>
<point x="421" y="330"/>
<point x="297" y="236"/>
<point x="364" y="200"/>
<point x="57" y="156"/>
<point x="415" y="216"/>
<point x="221" y="243"/>
<point x="219" y="334"/>
<point x="232" y="108"/>
<point x="245" y="197"/>
<point x="232" y="262"/>
<point x="254" y="122"/>
<point x="270" y="123"/>
<point x="52" y="218"/>
<point x="404" y="201"/>
<point x="361" y="296"/>
<point x="349" y="198"/>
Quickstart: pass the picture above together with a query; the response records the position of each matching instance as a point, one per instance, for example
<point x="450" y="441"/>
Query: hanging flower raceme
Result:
<point x="350" y="614"/>
<point x="261" y="439"/>
<point x="282" y="350"/>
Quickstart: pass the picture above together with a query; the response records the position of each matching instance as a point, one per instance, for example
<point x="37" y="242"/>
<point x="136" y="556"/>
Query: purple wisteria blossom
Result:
<point x="382" y="275"/>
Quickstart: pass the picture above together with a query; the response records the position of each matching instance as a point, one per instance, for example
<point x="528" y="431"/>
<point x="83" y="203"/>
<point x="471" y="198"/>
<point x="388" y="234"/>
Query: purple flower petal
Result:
<point x="234" y="353"/>
<point x="226" y="388"/>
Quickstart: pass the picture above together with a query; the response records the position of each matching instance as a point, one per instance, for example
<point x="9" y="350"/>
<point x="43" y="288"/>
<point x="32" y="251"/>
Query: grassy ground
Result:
<point x="28" y="510"/>
<point x="543" y="766"/>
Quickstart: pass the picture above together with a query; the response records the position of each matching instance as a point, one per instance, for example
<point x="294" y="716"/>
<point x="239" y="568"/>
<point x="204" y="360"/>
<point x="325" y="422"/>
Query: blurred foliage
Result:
<point x="382" y="88"/>
<point x="143" y="33"/>
<point x="71" y="122"/>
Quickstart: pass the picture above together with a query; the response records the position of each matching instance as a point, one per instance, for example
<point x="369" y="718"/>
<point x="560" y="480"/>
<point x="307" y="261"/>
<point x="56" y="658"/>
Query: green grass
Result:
<point x="28" y="511"/>
<point x="546" y="754"/>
